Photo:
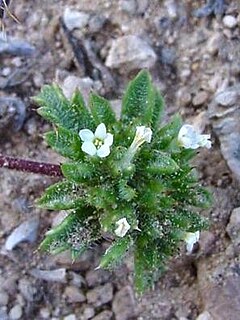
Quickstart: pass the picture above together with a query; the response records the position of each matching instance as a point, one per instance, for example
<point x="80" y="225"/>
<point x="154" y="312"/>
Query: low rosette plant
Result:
<point x="130" y="179"/>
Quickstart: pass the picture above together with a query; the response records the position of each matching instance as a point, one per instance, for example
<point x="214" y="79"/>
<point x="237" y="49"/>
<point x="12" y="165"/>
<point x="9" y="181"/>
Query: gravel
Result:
<point x="100" y="295"/>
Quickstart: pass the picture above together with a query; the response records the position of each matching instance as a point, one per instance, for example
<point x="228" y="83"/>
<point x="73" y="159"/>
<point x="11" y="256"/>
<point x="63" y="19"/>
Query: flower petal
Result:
<point x="122" y="227"/>
<point x="101" y="131"/>
<point x="89" y="148"/>
<point x="109" y="139"/>
<point x="189" y="138"/>
<point x="86" y="135"/>
<point x="103" y="151"/>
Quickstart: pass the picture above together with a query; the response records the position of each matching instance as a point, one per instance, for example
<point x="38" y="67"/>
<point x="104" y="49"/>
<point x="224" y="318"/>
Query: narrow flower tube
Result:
<point x="143" y="134"/>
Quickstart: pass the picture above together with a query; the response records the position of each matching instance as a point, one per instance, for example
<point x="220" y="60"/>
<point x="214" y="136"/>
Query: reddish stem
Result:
<point x="48" y="169"/>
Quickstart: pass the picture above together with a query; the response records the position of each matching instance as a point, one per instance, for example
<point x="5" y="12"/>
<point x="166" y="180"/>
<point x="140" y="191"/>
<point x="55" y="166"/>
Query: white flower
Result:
<point x="97" y="143"/>
<point x="122" y="227"/>
<point x="143" y="134"/>
<point x="189" y="138"/>
<point x="191" y="238"/>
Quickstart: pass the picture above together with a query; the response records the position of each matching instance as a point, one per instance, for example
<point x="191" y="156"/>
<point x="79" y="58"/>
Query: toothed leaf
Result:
<point x="138" y="100"/>
<point x="65" y="142"/>
<point x="116" y="252"/>
<point x="101" y="110"/>
<point x="62" y="195"/>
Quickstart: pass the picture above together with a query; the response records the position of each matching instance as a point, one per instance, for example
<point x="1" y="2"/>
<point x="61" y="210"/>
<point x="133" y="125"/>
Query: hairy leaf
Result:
<point x="168" y="133"/>
<point x="65" y="142"/>
<point x="72" y="233"/>
<point x="101" y="110"/>
<point x="116" y="252"/>
<point x="164" y="164"/>
<point x="157" y="109"/>
<point x="139" y="100"/>
<point x="78" y="172"/>
<point x="57" y="109"/>
<point x="62" y="195"/>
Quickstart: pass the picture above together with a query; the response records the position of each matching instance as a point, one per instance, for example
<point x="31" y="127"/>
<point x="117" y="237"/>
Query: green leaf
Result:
<point x="101" y="110"/>
<point x="138" y="100"/>
<point x="78" y="172"/>
<point x="148" y="262"/>
<point x="86" y="120"/>
<point x="125" y="191"/>
<point x="71" y="233"/>
<point x="157" y="109"/>
<point x="142" y="279"/>
<point x="116" y="252"/>
<point x="186" y="220"/>
<point x="62" y="195"/>
<point x="168" y="133"/>
<point x="164" y="164"/>
<point x="57" y="109"/>
<point x="65" y="142"/>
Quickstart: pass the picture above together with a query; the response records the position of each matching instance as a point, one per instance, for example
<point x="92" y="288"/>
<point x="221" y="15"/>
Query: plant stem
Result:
<point x="48" y="169"/>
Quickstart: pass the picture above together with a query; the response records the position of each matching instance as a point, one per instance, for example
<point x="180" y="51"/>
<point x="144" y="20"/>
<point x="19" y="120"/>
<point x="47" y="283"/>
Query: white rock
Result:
<point x="75" y="19"/>
<point x="57" y="275"/>
<point x="130" y="53"/>
<point x="229" y="22"/>
<point x="44" y="313"/>
<point x="27" y="231"/>
<point x="204" y="316"/>
<point x="16" y="312"/>
<point x="70" y="317"/>
<point x="171" y="8"/>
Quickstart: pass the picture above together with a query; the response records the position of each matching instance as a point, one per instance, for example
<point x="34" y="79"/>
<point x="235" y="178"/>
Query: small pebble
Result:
<point x="4" y="298"/>
<point x="57" y="275"/>
<point x="73" y="294"/>
<point x="200" y="98"/>
<point x="226" y="98"/>
<point x="3" y="314"/>
<point x="124" y="305"/>
<point x="184" y="97"/>
<point x="105" y="315"/>
<point x="75" y="19"/>
<point x="129" y="53"/>
<point x="96" y="23"/>
<point x="204" y="316"/>
<point x="88" y="313"/>
<point x="100" y="295"/>
<point x="229" y="22"/>
<point x="70" y="317"/>
<point x="44" y="313"/>
<point x="6" y="71"/>
<point x="16" y="312"/>
<point x="128" y="6"/>
<point x="27" y="231"/>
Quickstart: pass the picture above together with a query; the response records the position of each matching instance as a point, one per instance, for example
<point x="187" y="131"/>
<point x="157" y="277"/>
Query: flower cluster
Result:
<point x="130" y="178"/>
